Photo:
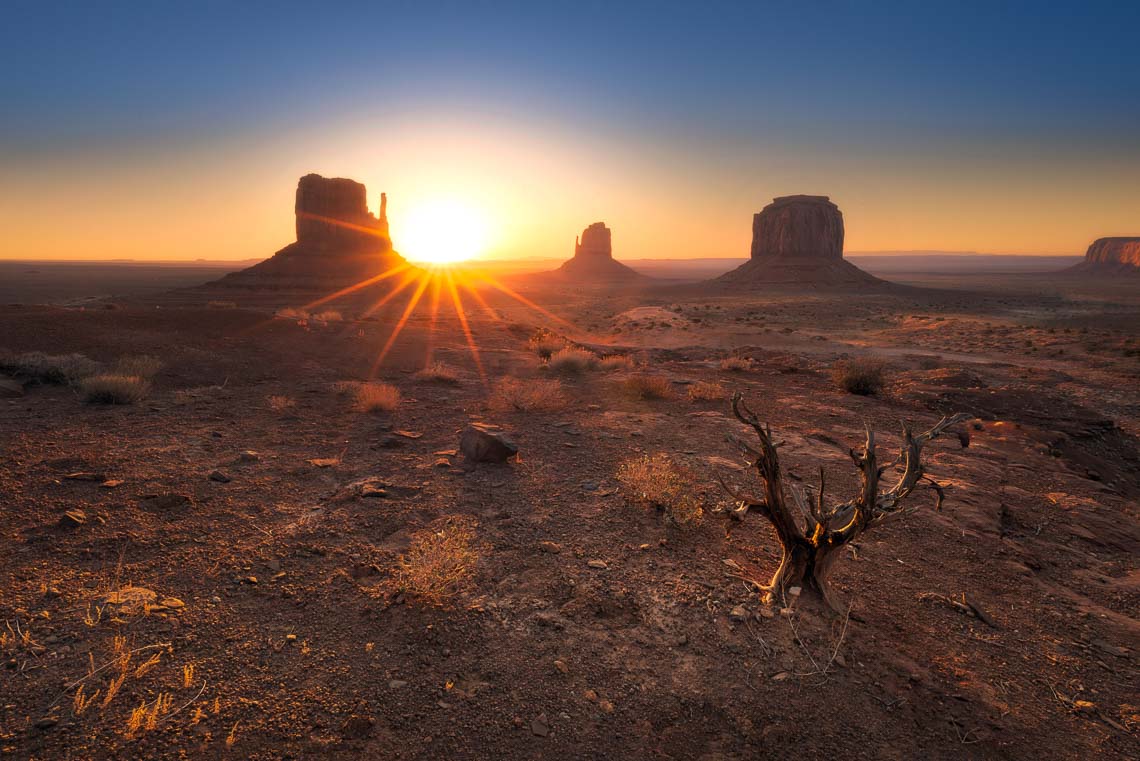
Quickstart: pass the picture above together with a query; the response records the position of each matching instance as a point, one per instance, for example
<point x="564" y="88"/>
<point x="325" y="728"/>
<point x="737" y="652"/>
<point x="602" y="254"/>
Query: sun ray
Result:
<point x="490" y="310"/>
<point x="494" y="283"/>
<point x="409" y="278"/>
<point x="391" y="272"/>
<point x="425" y="278"/>
<point x="436" y="285"/>
<point x="462" y="315"/>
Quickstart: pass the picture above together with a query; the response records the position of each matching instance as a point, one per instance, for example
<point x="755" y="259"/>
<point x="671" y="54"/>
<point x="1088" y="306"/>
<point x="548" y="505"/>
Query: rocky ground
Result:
<point x="244" y="524"/>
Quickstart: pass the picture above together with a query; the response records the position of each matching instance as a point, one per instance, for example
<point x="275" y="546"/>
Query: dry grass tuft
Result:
<point x="658" y="481"/>
<point x="329" y="315"/>
<point x="438" y="372"/>
<point x="571" y="361"/>
<point x="280" y="403"/>
<point x="544" y="343"/>
<point x="616" y="362"/>
<point x="646" y="386"/>
<point x="108" y="388"/>
<point x="377" y="397"/>
<point x="863" y="375"/>
<point x="144" y="366"/>
<point x="736" y="364"/>
<point x="439" y="563"/>
<point x="289" y="313"/>
<point x="57" y="369"/>
<point x="534" y="395"/>
<point x="708" y="392"/>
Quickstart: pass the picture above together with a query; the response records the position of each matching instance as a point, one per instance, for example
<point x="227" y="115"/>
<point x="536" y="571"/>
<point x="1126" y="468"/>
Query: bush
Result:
<point x="439" y="562"/>
<point x="863" y="375"/>
<point x="616" y="362"/>
<point x="108" y="388"/>
<point x="330" y="315"/>
<point x="49" y="368"/>
<point x="144" y="366"/>
<point x="571" y="361"/>
<point x="280" y="403"/>
<point x="377" y="397"/>
<point x="735" y="364"/>
<point x="705" y="391"/>
<point x="438" y="372"/>
<point x="658" y="481"/>
<point x="645" y="386"/>
<point x="544" y="343"/>
<point x="534" y="395"/>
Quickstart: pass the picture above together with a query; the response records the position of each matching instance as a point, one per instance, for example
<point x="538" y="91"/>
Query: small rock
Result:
<point x="766" y="611"/>
<point x="786" y="612"/>
<point x="479" y="445"/>
<point x="173" y="603"/>
<point x="249" y="456"/>
<point x="794" y="591"/>
<point x="590" y="695"/>
<point x="539" y="727"/>
<point x="561" y="666"/>
<point x="589" y="486"/>
<point x="112" y="483"/>
<point x="409" y="434"/>
<point x="219" y="477"/>
<point x="73" y="518"/>
<point x="739" y="613"/>
<point x="290" y="637"/>
<point x="552" y="547"/>
<point x="324" y="462"/>
<point x="598" y="564"/>
<point x="47" y="722"/>
<point x="442" y="462"/>
<point x="781" y="676"/>
<point x="396" y="684"/>
<point x="606" y="705"/>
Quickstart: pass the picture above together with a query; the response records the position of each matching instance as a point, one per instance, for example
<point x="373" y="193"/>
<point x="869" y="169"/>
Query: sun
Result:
<point x="441" y="231"/>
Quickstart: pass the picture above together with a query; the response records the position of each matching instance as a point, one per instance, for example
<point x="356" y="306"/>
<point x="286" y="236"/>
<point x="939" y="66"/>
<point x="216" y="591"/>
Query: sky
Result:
<point x="165" y="130"/>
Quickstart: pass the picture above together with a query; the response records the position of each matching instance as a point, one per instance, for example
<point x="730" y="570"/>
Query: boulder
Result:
<point x="480" y="445"/>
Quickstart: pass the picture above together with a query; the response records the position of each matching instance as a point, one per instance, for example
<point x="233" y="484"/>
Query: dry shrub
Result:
<point x="646" y="386"/>
<point x="705" y="391"/>
<point x="280" y="403"/>
<point x="289" y="313"/>
<point x="660" y="482"/>
<point x="330" y="315"/>
<point x="736" y="364"/>
<point x="533" y="395"/>
<point x="49" y="368"/>
<point x="439" y="563"/>
<point x="438" y="372"/>
<point x="616" y="362"/>
<point x="863" y="375"/>
<point x="108" y="388"/>
<point x="571" y="361"/>
<point x="377" y="397"/>
<point x="544" y="343"/>
<point x="144" y="366"/>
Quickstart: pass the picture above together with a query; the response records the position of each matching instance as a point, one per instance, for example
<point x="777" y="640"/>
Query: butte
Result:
<point x="593" y="260"/>
<point x="1110" y="256"/>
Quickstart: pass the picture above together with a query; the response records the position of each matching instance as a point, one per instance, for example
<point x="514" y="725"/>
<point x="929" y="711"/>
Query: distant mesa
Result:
<point x="798" y="240"/>
<point x="338" y="240"/>
<point x="1110" y="256"/>
<point x="593" y="258"/>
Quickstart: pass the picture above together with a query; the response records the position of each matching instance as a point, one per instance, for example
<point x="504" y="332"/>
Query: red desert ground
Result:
<point x="619" y="426"/>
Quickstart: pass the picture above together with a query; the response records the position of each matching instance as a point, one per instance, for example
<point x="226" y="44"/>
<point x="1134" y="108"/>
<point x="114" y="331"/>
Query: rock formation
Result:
<point x="798" y="240"/>
<point x="338" y="240"/>
<point x="1111" y="256"/>
<point x="593" y="258"/>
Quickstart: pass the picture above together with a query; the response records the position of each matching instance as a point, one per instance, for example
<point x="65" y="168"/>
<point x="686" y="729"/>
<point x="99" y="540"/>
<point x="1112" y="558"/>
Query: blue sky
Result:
<point x="962" y="93"/>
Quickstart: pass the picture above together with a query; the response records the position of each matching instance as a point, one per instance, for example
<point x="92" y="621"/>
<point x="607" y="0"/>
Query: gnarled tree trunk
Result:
<point x="812" y="535"/>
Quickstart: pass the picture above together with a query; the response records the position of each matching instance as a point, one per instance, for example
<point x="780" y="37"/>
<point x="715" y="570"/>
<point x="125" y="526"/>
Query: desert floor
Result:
<point x="244" y="524"/>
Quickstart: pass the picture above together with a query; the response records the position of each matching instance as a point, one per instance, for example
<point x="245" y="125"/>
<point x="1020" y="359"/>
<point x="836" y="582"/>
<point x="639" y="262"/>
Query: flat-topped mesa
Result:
<point x="1114" y="252"/>
<point x="595" y="241"/>
<point x="798" y="227"/>
<point x="797" y="242"/>
<point x="332" y="215"/>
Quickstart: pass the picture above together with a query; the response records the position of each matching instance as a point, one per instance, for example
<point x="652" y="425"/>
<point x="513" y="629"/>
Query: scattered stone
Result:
<point x="85" y="476"/>
<point x="766" y="611"/>
<point x="794" y="591"/>
<point x="324" y="462"/>
<point x="47" y="722"/>
<point x="173" y="603"/>
<point x="357" y="727"/>
<point x="396" y="684"/>
<point x="446" y="453"/>
<point x="589" y="486"/>
<point x="552" y="547"/>
<point x="112" y="483"/>
<point x="409" y="434"/>
<point x="739" y="613"/>
<point x="786" y="612"/>
<point x="598" y="564"/>
<point x="290" y="637"/>
<point x="606" y="706"/>
<point x="219" y="477"/>
<point x="561" y="666"/>
<point x="249" y="456"/>
<point x="539" y="727"/>
<point x="131" y="600"/>
<point x="73" y="518"/>
<point x="442" y="462"/>
<point x="479" y="445"/>
<point x="372" y="491"/>
<point x="781" y="676"/>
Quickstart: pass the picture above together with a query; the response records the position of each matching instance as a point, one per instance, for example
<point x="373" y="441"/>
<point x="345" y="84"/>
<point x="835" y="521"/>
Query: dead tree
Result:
<point x="811" y="534"/>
